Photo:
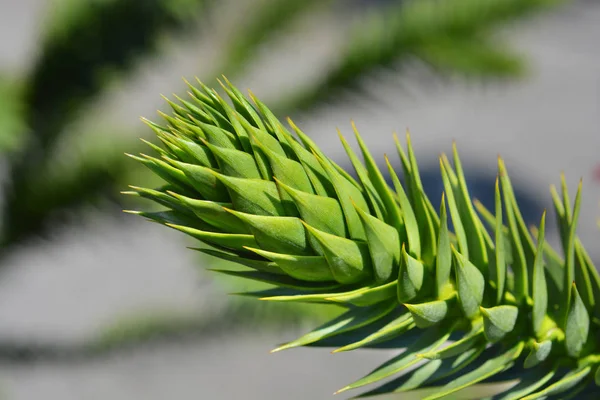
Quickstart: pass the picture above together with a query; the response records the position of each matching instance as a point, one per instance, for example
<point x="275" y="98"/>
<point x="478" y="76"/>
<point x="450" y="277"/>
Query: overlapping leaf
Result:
<point x="240" y="182"/>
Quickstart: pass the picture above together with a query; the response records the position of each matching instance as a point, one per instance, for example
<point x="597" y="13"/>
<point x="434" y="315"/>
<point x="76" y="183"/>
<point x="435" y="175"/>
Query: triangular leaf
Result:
<point x="410" y="277"/>
<point x="498" y="321"/>
<point x="277" y="234"/>
<point x="578" y="324"/>
<point x="349" y="260"/>
<point x="561" y="386"/>
<point x="470" y="285"/>
<point x="352" y="319"/>
<point x="489" y="368"/>
<point x="431" y="339"/>
<point x="384" y="246"/>
<point x="540" y="290"/>
<point x="306" y="268"/>
<point x="538" y="353"/>
<point x="430" y="313"/>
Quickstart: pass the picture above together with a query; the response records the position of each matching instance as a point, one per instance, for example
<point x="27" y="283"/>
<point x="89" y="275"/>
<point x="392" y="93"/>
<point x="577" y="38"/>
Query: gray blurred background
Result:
<point x="96" y="304"/>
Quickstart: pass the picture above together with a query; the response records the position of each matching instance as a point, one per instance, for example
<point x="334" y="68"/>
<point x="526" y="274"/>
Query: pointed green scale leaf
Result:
<point x="306" y="268"/>
<point x="349" y="196"/>
<point x="566" y="198"/>
<point x="524" y="235"/>
<point x="410" y="277"/>
<point x="277" y="234"/>
<point x="312" y="167"/>
<point x="407" y="382"/>
<point x="197" y="152"/>
<point x="554" y="266"/>
<point x="540" y="290"/>
<point x="427" y="374"/>
<point x="582" y="279"/>
<point x="204" y="96"/>
<point x="569" y="244"/>
<point x="578" y="324"/>
<point x="191" y="109"/>
<point x="395" y="328"/>
<point x="498" y="321"/>
<point x="158" y="129"/>
<point x="253" y="196"/>
<point x="218" y="136"/>
<point x="241" y="133"/>
<point x="310" y="145"/>
<point x="592" y="272"/>
<point x="351" y="320"/>
<point x="204" y="181"/>
<point x="177" y="153"/>
<point x="430" y="313"/>
<point x="459" y="230"/>
<point x="420" y="201"/>
<point x="180" y="111"/>
<point x="538" y="353"/>
<point x="472" y="339"/>
<point x="276" y="126"/>
<point x="366" y="296"/>
<point x="242" y="105"/>
<point x="431" y="339"/>
<point x="597" y="376"/>
<point x="214" y="214"/>
<point x="519" y="264"/>
<point x="287" y="295"/>
<point x="384" y="246"/>
<point x="262" y="161"/>
<point x="235" y="163"/>
<point x="172" y="217"/>
<point x="159" y="197"/>
<point x="320" y="212"/>
<point x="227" y="240"/>
<point x="176" y="124"/>
<point x="498" y="270"/>
<point x="167" y="172"/>
<point x="470" y="284"/>
<point x="277" y="280"/>
<point x="288" y="171"/>
<point x="560" y="211"/>
<point x="472" y="224"/>
<point x="212" y="106"/>
<point x="374" y="199"/>
<point x="486" y="370"/>
<point x="443" y="261"/>
<point x="160" y="150"/>
<point x="566" y="383"/>
<point x="529" y="383"/>
<point x="491" y="221"/>
<point x="197" y="95"/>
<point x="392" y="212"/>
<point x="259" y="265"/>
<point x="264" y="138"/>
<point x="184" y="129"/>
<point x="409" y="223"/>
<point x="349" y="260"/>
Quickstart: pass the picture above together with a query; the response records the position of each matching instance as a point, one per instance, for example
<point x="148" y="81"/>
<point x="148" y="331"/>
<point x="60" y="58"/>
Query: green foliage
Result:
<point x="362" y="246"/>
<point x="85" y="44"/>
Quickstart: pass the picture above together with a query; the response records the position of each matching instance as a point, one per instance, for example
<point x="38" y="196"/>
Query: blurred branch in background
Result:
<point x="86" y="44"/>
<point x="451" y="37"/>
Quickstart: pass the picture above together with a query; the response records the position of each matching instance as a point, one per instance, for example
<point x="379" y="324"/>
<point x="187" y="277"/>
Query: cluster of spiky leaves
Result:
<point x="487" y="301"/>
